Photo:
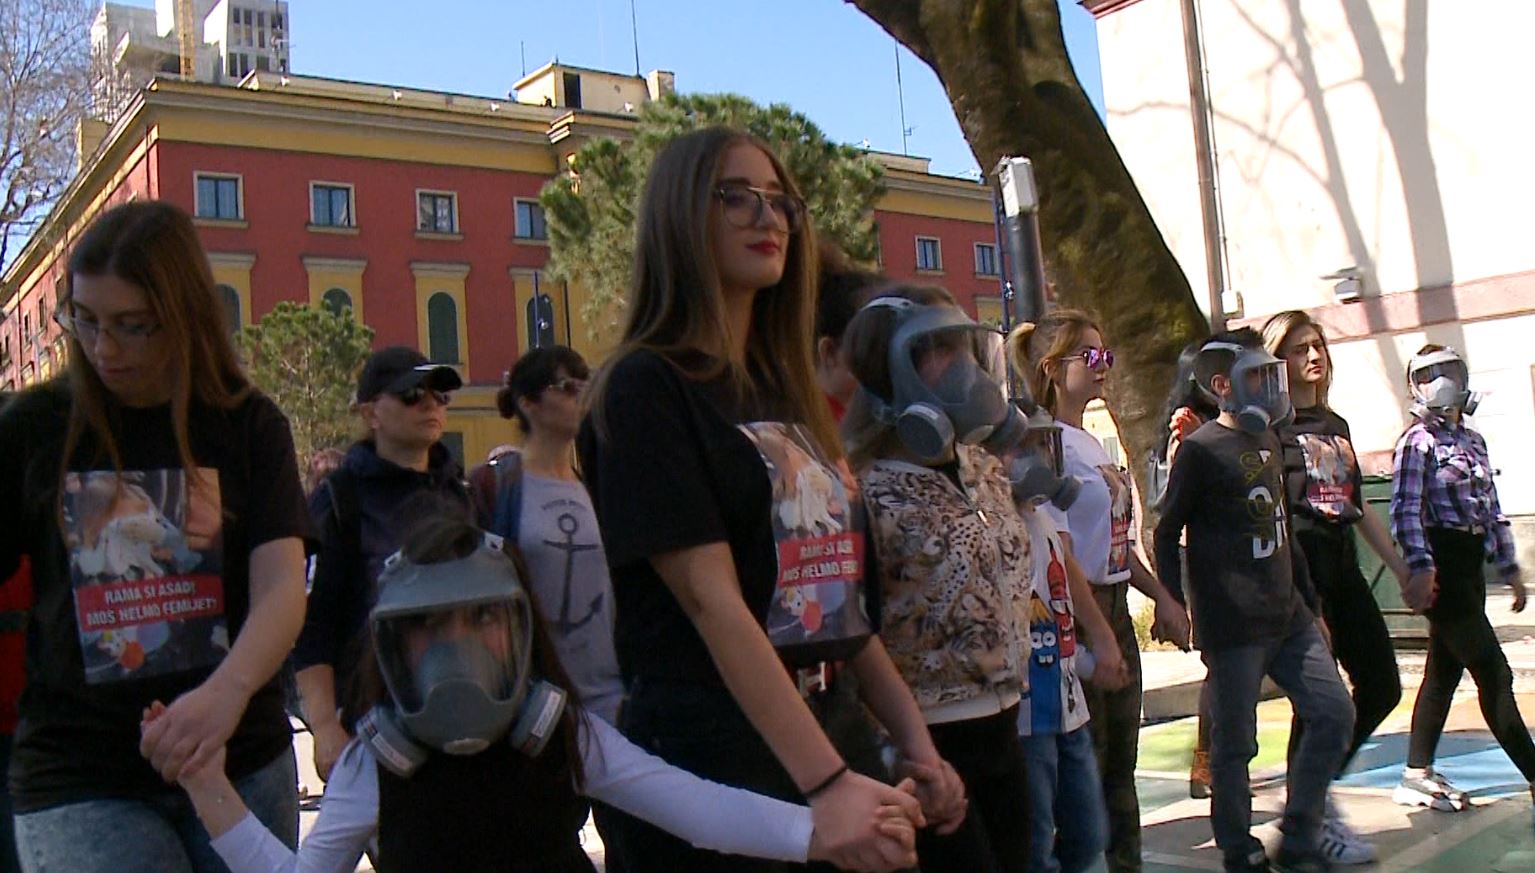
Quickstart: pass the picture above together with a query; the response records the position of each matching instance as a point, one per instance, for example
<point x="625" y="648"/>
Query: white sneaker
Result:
<point x="1429" y="789"/>
<point x="1340" y="843"/>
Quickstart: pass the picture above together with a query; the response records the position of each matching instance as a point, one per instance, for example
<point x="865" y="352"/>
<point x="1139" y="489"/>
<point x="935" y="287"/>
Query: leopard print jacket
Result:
<point x="954" y="570"/>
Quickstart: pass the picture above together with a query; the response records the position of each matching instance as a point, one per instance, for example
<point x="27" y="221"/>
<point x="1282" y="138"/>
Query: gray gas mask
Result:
<point x="1260" y="388"/>
<point x="966" y="404"/>
<point x="1038" y="473"/>
<point x="454" y="642"/>
<point x="1440" y="381"/>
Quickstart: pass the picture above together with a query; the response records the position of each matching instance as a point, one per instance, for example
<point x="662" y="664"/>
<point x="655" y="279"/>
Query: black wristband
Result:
<point x="826" y="783"/>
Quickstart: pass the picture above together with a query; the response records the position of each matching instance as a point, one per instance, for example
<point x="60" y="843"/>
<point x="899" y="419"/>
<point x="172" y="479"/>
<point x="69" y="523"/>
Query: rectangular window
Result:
<point x="530" y="220"/>
<point x="985" y="259"/>
<point x="331" y="205"/>
<point x="263" y="63"/>
<point x="218" y="197"/>
<point x="436" y="212"/>
<point x="234" y="64"/>
<point x="929" y="255"/>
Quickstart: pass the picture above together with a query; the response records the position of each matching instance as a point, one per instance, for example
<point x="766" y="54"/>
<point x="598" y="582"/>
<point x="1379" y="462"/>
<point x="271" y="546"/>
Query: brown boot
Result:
<point x="1199" y="775"/>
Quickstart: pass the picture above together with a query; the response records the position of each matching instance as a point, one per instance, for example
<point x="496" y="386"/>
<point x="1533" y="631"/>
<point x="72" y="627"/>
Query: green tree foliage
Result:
<point x="306" y="359"/>
<point x="591" y="211"/>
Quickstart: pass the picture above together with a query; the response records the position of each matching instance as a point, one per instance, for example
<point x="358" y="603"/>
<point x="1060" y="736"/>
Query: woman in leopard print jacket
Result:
<point x="953" y="562"/>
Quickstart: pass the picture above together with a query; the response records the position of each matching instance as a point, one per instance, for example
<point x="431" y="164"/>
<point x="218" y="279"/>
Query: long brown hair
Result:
<point x="677" y="307"/>
<point x="1277" y="332"/>
<point x="153" y="245"/>
<point x="868" y="336"/>
<point x="1036" y="348"/>
<point x="441" y="537"/>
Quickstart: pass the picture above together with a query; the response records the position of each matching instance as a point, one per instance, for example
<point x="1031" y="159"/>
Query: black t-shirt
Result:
<point x="1247" y="582"/>
<point x="141" y="595"/>
<point x="1323" y="481"/>
<point x="673" y="469"/>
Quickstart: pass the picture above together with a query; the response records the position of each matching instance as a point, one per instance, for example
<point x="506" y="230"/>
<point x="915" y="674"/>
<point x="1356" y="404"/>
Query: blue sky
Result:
<point x="822" y="57"/>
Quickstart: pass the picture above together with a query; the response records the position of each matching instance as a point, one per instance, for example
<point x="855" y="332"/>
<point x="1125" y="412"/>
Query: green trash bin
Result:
<point x="1408" y="631"/>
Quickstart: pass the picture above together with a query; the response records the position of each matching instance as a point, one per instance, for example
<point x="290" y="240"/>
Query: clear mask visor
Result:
<point x="484" y="644"/>
<point x="958" y="345"/>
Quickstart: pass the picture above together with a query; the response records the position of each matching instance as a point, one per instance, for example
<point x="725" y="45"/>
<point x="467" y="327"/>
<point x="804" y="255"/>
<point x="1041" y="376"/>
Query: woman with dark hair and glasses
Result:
<point x="156" y="496"/>
<point x="747" y="617"/>
<point x="397" y="472"/>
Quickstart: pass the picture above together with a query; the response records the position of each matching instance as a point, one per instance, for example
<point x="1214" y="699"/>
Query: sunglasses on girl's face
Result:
<point x="1095" y="358"/>
<point x="569" y="386"/>
<point x="413" y="396"/>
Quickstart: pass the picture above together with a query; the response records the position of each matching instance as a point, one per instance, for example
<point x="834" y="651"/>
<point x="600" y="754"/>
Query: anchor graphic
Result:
<point x="568" y="525"/>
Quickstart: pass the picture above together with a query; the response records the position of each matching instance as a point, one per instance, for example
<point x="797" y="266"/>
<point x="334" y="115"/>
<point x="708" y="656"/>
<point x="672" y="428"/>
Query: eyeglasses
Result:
<point x="744" y="206"/>
<point x="1094" y="358"/>
<point x="129" y="334"/>
<point x="413" y="396"/>
<point x="569" y="386"/>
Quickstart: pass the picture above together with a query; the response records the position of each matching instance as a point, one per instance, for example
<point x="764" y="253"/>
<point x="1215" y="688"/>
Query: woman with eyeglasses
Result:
<point x="1066" y="360"/>
<point x="156" y="496"/>
<point x="396" y="473"/>
<point x="734" y="533"/>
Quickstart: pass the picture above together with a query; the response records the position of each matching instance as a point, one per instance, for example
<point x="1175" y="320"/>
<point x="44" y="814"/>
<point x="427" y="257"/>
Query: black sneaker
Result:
<point x="1301" y="862"/>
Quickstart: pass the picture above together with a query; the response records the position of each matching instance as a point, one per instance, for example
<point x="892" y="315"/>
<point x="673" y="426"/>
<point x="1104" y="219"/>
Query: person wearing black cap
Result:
<point x="394" y="475"/>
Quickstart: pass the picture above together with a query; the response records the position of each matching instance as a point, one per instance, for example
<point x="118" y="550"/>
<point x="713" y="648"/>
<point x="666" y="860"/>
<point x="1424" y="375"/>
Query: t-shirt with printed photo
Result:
<point x="142" y="581"/>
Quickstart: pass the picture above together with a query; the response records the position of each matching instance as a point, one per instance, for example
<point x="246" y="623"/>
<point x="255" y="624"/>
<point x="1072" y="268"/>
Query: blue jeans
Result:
<point x="159" y="834"/>
<point x="1071" y="820"/>
<point x="1301" y="665"/>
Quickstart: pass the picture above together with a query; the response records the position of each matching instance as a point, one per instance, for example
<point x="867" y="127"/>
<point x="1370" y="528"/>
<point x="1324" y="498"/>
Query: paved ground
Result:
<point x="1495" y="835"/>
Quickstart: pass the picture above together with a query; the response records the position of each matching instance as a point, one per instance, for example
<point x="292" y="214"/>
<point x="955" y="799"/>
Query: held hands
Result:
<point x="864" y="825"/>
<point x="940" y="791"/>
<point x="1112" y="672"/>
<point x="191" y="731"/>
<point x="207" y="777"/>
<point x="1420" y="589"/>
<point x="1171" y="624"/>
<point x="330" y="738"/>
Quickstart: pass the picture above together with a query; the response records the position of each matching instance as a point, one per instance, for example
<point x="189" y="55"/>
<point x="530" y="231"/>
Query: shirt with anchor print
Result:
<point x="559" y="539"/>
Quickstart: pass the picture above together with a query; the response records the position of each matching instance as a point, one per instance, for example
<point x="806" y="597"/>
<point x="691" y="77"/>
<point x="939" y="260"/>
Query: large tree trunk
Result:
<point x="1004" y="66"/>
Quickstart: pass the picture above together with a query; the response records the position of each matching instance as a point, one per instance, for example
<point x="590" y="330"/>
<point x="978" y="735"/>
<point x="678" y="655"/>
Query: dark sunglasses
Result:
<point x="413" y="396"/>
<point x="569" y="386"/>
<point x="1095" y="358"/>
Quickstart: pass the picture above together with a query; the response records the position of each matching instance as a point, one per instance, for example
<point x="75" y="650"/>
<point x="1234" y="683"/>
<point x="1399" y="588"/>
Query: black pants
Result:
<point x="1459" y="639"/>
<point x="1116" y="726"/>
<point x="702" y="730"/>
<point x="988" y="755"/>
<point x="1360" y="640"/>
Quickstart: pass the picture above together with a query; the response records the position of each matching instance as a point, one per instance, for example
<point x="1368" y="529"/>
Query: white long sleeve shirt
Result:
<point x="618" y="773"/>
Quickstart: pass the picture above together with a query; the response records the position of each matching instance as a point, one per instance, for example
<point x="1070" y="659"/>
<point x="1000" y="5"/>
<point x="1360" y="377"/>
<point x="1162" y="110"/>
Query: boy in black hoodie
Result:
<point x="1255" y="607"/>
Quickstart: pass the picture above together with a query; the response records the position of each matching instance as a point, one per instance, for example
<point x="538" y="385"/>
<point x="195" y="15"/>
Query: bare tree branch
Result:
<point x="44" y="84"/>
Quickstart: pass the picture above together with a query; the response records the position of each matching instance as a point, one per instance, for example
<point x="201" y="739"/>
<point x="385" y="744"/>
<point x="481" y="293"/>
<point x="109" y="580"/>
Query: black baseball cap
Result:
<point x="397" y="369"/>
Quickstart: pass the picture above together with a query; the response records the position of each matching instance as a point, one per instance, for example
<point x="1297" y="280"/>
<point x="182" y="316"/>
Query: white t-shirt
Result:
<point x="618" y="773"/>
<point x="1053" y="703"/>
<point x="1099" y="521"/>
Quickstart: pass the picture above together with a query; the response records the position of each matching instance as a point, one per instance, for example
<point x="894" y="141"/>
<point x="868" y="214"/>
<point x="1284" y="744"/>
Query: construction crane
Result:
<point x="186" y="39"/>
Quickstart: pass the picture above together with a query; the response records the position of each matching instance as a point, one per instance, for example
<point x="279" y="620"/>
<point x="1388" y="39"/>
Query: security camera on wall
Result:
<point x="1348" y="284"/>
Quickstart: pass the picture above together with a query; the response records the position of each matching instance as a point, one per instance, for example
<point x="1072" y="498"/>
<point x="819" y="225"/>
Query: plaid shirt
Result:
<point x="1442" y="478"/>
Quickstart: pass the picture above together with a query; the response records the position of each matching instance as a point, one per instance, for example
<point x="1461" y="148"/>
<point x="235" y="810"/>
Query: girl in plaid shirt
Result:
<point x="1445" y="515"/>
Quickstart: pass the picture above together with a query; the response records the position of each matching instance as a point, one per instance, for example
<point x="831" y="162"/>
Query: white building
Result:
<point x="131" y="44"/>
<point x="1370" y="167"/>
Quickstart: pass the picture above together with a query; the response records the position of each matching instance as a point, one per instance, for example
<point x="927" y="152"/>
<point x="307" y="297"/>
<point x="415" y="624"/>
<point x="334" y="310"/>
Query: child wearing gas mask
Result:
<point x="471" y="756"/>
<point x="1446" y="516"/>
<point x="1255" y="608"/>
<point x="1070" y="818"/>
<point x="925" y="433"/>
